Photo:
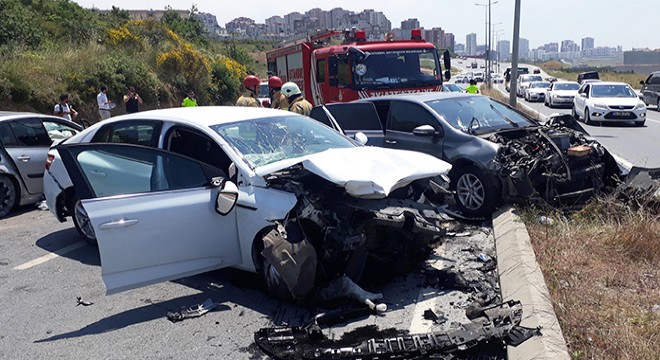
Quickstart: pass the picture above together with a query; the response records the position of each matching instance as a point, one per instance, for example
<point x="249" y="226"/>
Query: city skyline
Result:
<point x="540" y="24"/>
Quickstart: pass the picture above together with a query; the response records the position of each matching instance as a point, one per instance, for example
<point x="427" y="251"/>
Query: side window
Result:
<point x="57" y="130"/>
<point x="343" y="72"/>
<point x="405" y="116"/>
<point x="654" y="80"/>
<point x="130" y="132"/>
<point x="586" y="89"/>
<point x="320" y="70"/>
<point x="112" y="170"/>
<point x="30" y="132"/>
<point x="7" y="137"/>
<point x="194" y="144"/>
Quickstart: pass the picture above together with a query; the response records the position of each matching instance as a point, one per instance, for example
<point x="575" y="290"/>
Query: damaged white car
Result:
<point x="176" y="192"/>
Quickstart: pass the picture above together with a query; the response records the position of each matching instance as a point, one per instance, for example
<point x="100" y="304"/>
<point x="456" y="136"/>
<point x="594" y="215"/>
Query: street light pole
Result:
<point x="488" y="47"/>
<point x="513" y="84"/>
<point x="485" y="23"/>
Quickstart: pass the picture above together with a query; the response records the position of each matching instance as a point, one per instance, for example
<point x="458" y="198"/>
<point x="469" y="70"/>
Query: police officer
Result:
<point x="249" y="98"/>
<point x="472" y="89"/>
<point x="297" y="102"/>
<point x="277" y="99"/>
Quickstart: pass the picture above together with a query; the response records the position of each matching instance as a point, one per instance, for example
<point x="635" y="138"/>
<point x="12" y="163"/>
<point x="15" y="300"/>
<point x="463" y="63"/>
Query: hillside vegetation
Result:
<point x="607" y="73"/>
<point x="50" y="47"/>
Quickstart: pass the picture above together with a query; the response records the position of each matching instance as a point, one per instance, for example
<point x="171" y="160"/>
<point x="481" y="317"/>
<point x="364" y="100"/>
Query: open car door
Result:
<point x="157" y="215"/>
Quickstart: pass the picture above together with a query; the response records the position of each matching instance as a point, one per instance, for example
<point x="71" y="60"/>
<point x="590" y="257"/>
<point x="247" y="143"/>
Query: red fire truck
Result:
<point x="357" y="68"/>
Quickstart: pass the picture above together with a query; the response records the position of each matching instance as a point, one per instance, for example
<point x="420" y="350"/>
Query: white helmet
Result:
<point x="290" y="89"/>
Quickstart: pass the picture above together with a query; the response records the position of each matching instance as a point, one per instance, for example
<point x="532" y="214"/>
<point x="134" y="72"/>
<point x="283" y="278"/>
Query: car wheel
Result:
<point x="575" y="114"/>
<point x="587" y="117"/>
<point x="640" y="123"/>
<point x="475" y="193"/>
<point x="81" y="221"/>
<point x="658" y="105"/>
<point x="7" y="195"/>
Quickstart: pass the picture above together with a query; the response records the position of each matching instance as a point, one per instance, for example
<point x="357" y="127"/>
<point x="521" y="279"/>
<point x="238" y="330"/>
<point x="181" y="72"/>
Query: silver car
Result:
<point x="24" y="142"/>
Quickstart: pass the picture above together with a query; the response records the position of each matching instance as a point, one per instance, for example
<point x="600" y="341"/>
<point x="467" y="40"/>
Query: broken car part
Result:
<point x="192" y="312"/>
<point x="497" y="322"/>
<point x="83" y="302"/>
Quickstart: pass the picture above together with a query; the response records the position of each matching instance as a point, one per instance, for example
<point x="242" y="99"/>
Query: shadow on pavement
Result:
<point x="57" y="240"/>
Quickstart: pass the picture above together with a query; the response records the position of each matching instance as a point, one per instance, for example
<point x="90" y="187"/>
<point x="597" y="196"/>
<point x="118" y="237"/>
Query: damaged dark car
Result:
<point x="497" y="152"/>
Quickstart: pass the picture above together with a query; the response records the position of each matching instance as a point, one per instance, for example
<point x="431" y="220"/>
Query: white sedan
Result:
<point x="608" y="102"/>
<point x="171" y="193"/>
<point x="524" y="81"/>
<point x="561" y="93"/>
<point x="536" y="91"/>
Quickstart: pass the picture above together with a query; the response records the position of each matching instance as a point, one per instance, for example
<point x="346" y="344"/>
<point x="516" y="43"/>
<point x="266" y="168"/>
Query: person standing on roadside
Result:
<point x="132" y="100"/>
<point x="297" y="102"/>
<point x="277" y="99"/>
<point x="249" y="98"/>
<point x="189" y="100"/>
<point x="104" y="104"/>
<point x="65" y="110"/>
<point x="472" y="89"/>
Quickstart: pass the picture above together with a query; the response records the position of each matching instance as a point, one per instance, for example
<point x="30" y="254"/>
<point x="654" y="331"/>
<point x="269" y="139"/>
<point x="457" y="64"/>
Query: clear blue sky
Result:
<point x="629" y="23"/>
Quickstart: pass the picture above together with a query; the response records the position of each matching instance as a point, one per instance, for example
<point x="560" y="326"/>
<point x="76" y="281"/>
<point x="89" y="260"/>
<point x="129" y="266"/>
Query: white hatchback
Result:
<point x="172" y="193"/>
<point x="609" y="102"/>
<point x="561" y="93"/>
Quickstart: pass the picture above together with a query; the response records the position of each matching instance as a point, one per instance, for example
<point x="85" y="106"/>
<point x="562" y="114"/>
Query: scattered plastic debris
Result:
<point x="484" y="258"/>
<point x="431" y="315"/>
<point x="544" y="220"/>
<point x="83" y="302"/>
<point x="192" y="312"/>
<point x="41" y="205"/>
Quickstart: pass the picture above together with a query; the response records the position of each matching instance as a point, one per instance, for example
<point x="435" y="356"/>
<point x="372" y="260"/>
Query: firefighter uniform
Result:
<point x="248" y="99"/>
<point x="301" y="106"/>
<point x="279" y="101"/>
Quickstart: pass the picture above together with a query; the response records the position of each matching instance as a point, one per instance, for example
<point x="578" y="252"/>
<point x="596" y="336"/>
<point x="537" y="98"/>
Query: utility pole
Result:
<point x="513" y="84"/>
<point x="488" y="47"/>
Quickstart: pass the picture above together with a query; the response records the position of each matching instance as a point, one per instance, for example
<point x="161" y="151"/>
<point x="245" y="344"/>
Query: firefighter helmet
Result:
<point x="251" y="82"/>
<point x="290" y="89"/>
<point x="274" y="82"/>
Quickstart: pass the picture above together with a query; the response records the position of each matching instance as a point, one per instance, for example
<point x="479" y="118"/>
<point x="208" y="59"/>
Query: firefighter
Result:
<point x="297" y="102"/>
<point x="249" y="98"/>
<point x="277" y="99"/>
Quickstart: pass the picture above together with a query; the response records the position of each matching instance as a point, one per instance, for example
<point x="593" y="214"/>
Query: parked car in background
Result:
<point x="448" y="87"/>
<point x="175" y="192"/>
<point x="537" y="71"/>
<point x="497" y="153"/>
<point x="264" y="94"/>
<point x="498" y="79"/>
<point x="609" y="102"/>
<point x="478" y="76"/>
<point x="536" y="91"/>
<point x="561" y="93"/>
<point x="650" y="92"/>
<point x="24" y="142"/>
<point x="589" y="75"/>
<point x="524" y="81"/>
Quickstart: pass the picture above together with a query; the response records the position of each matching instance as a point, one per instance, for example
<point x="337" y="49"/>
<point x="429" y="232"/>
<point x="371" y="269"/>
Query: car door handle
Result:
<point x="118" y="223"/>
<point x="390" y="141"/>
<point x="24" y="158"/>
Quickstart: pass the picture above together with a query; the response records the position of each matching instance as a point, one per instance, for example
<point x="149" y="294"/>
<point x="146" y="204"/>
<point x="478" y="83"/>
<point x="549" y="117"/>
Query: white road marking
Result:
<point x="51" y="256"/>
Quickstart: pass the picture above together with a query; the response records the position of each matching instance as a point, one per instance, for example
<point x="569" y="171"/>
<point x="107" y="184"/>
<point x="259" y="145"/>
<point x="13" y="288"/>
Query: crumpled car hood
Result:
<point x="367" y="172"/>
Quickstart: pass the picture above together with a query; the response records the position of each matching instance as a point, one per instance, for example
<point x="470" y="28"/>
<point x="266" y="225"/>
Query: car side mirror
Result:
<point x="361" y="138"/>
<point x="584" y="95"/>
<point x="227" y="198"/>
<point x="641" y="82"/>
<point x="447" y="75"/>
<point x="426" y="130"/>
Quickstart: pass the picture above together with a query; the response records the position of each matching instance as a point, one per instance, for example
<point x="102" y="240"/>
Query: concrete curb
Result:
<point x="521" y="279"/>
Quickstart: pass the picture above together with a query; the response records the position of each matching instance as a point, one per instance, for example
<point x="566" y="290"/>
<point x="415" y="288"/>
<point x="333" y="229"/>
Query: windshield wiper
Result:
<point x="511" y="122"/>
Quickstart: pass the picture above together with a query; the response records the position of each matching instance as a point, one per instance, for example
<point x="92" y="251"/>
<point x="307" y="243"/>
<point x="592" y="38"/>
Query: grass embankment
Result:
<point x="560" y="71"/>
<point x="602" y="267"/>
<point x="499" y="96"/>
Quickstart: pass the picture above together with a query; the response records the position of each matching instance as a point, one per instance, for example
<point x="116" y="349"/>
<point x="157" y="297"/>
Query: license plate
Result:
<point x="620" y="113"/>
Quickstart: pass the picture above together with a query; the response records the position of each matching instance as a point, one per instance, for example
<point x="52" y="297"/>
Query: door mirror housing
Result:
<point x="361" y="138"/>
<point x="426" y="130"/>
<point x="642" y="82"/>
<point x="227" y="198"/>
<point x="584" y="95"/>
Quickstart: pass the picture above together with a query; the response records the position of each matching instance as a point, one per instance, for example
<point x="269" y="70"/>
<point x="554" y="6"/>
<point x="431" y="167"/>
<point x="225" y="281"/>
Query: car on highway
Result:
<point x="561" y="93"/>
<point x="498" y="79"/>
<point x="536" y="91"/>
<point x="461" y="79"/>
<point x="24" y="142"/>
<point x="478" y="76"/>
<point x="608" y="102"/>
<point x="588" y="75"/>
<point x="537" y="71"/>
<point x="175" y="192"/>
<point x="449" y="87"/>
<point x="497" y="152"/>
<point x="523" y="82"/>
<point x="650" y="92"/>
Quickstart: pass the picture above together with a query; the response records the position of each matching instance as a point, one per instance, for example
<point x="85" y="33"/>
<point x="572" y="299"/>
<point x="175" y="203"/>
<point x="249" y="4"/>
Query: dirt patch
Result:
<point x="601" y="266"/>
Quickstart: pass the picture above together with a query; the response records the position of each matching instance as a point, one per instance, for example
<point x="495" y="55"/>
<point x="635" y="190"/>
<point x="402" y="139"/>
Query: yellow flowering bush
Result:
<point x="123" y="36"/>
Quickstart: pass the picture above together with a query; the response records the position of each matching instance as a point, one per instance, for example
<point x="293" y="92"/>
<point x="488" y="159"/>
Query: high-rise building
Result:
<point x="523" y="48"/>
<point x="407" y="26"/>
<point x="450" y="41"/>
<point x="435" y="36"/>
<point x="504" y="49"/>
<point x="569" y="46"/>
<point x="551" y="47"/>
<point x="471" y="44"/>
<point x="587" y="43"/>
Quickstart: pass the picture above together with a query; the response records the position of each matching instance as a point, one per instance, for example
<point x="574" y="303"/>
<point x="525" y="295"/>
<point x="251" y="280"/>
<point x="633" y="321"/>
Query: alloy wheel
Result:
<point x="7" y="195"/>
<point x="82" y="219"/>
<point x="470" y="191"/>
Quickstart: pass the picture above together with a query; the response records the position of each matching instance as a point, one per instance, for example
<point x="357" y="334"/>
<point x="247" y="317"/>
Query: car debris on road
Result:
<point x="192" y="312"/>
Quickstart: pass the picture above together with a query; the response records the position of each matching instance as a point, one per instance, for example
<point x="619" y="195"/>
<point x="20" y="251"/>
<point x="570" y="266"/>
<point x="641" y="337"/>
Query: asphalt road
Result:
<point x="44" y="267"/>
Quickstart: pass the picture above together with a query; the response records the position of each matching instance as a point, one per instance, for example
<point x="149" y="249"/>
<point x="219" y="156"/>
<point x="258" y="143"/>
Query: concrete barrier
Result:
<point x="521" y="279"/>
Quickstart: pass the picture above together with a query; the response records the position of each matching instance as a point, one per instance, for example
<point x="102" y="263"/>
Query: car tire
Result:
<point x="7" y="195"/>
<point x="587" y="117"/>
<point x="640" y="123"/>
<point x="575" y="114"/>
<point x="81" y="221"/>
<point x="658" y="105"/>
<point x="474" y="192"/>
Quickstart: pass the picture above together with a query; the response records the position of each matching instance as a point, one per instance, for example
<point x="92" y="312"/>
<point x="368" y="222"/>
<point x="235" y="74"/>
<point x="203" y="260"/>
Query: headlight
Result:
<point x="640" y="105"/>
<point x="600" y="106"/>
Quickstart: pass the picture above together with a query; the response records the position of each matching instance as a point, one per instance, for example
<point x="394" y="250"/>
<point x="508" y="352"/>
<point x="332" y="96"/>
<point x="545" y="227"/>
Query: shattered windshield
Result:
<point x="613" y="91"/>
<point x="478" y="114"/>
<point x="399" y="68"/>
<point x="267" y="140"/>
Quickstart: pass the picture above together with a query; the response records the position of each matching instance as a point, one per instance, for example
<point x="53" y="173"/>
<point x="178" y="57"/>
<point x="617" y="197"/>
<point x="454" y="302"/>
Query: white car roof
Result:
<point x="205" y="115"/>
<point x="597" y="83"/>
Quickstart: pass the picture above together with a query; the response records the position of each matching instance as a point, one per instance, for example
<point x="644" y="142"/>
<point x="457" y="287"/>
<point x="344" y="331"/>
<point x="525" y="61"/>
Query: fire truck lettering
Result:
<point x="397" y="92"/>
<point x="295" y="74"/>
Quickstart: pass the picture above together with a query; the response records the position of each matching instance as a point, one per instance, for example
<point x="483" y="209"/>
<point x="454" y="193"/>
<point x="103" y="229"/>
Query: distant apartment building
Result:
<point x="471" y="44"/>
<point x="551" y="47"/>
<point x="459" y="49"/>
<point x="435" y="36"/>
<point x="587" y="43"/>
<point x="450" y="42"/>
<point x="407" y="26"/>
<point x="504" y="50"/>
<point x="601" y="51"/>
<point x="569" y="46"/>
<point x="523" y="48"/>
